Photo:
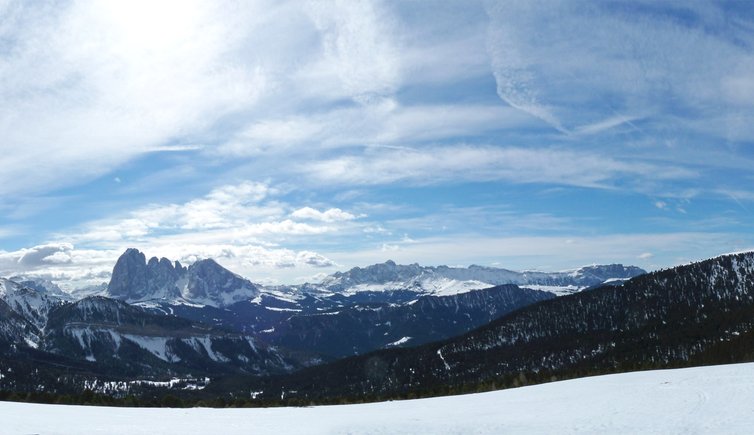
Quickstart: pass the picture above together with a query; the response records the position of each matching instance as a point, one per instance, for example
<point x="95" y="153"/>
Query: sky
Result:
<point x="289" y="140"/>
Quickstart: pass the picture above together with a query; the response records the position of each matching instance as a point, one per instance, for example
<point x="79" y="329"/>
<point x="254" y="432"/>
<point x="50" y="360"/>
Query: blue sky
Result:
<point x="292" y="139"/>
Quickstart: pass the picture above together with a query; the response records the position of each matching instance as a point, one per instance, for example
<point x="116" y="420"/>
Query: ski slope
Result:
<point x="717" y="399"/>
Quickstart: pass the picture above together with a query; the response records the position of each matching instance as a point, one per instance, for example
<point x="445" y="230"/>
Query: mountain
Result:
<point x="211" y="284"/>
<point x="89" y="290"/>
<point x="134" y="279"/>
<point x="444" y="280"/>
<point x="32" y="304"/>
<point x="701" y="313"/>
<point x="353" y="312"/>
<point x="43" y="286"/>
<point x="364" y="327"/>
<point x="136" y="341"/>
<point x="206" y="283"/>
<point x="15" y="329"/>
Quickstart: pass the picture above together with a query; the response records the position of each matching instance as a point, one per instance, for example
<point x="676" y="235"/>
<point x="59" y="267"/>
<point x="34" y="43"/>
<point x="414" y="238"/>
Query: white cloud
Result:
<point x="570" y="64"/>
<point x="356" y="41"/>
<point x="241" y="225"/>
<point x="44" y="255"/>
<point x="88" y="86"/>
<point x="486" y="163"/>
<point x="548" y="252"/>
<point x="240" y="213"/>
<point x="60" y="262"/>
<point x="379" y="124"/>
<point x="329" y="215"/>
<point x="313" y="259"/>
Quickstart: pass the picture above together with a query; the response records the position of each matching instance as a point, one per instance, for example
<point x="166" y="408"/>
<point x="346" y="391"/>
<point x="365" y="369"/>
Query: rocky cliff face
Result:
<point x="135" y="279"/>
<point x="211" y="284"/>
<point x="205" y="282"/>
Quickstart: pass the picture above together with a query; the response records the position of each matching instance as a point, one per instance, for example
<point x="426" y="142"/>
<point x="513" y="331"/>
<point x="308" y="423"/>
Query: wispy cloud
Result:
<point x="486" y="163"/>
<point x="551" y="252"/>
<point x="569" y="63"/>
<point x="134" y="124"/>
<point x="84" y="92"/>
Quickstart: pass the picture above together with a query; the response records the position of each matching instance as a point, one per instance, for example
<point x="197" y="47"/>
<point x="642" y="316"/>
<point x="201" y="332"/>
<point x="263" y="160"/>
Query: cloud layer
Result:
<point x="280" y="136"/>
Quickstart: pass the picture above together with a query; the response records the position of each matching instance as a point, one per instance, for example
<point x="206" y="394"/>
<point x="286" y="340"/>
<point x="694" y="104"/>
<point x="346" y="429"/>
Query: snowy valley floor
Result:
<point x="717" y="399"/>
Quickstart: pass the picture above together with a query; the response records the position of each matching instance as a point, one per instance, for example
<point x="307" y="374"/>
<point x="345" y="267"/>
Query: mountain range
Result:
<point x="206" y="283"/>
<point x="158" y="318"/>
<point x="695" y="314"/>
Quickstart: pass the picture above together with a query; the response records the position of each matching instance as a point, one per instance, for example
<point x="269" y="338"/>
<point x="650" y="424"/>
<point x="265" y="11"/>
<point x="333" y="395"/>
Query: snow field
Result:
<point x="715" y="400"/>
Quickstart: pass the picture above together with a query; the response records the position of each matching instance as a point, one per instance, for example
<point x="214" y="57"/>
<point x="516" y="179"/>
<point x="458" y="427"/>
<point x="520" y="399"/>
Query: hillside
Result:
<point x="700" y="313"/>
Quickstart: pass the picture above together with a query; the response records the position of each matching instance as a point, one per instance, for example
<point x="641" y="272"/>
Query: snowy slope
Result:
<point x="717" y="399"/>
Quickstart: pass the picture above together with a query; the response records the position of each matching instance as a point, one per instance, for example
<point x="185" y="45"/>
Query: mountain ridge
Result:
<point x="688" y="315"/>
<point x="205" y="282"/>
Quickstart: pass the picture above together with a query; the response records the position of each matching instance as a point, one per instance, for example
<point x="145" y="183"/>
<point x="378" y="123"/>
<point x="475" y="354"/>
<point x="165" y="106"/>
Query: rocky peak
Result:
<point x="209" y="282"/>
<point x="135" y="279"/>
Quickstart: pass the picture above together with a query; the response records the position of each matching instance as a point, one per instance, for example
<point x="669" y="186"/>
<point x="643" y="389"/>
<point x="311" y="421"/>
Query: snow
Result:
<point x="291" y="310"/>
<point x="717" y="399"/>
<point x="206" y="342"/>
<point x="158" y="346"/>
<point x="556" y="289"/>
<point x="450" y="287"/>
<point x="399" y="342"/>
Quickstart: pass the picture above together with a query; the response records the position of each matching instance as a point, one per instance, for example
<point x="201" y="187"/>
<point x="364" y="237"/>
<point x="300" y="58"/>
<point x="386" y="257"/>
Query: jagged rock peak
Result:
<point x="135" y="279"/>
<point x="209" y="282"/>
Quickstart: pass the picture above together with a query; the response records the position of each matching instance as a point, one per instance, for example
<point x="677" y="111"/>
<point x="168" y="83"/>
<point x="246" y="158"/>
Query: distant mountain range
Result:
<point x="158" y="318"/>
<point x="138" y="280"/>
<point x="444" y="280"/>
<point x="383" y="331"/>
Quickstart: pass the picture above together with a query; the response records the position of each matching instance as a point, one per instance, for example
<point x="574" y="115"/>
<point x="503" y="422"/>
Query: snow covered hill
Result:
<point x="716" y="399"/>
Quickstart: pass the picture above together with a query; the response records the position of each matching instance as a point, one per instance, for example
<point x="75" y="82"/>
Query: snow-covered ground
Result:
<point x="715" y="400"/>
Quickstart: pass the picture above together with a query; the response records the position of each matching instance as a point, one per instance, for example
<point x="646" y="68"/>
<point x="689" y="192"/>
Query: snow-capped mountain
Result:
<point x="32" y="304"/>
<point x="15" y="329"/>
<point x="444" y="280"/>
<point x="43" y="286"/>
<point x="205" y="282"/>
